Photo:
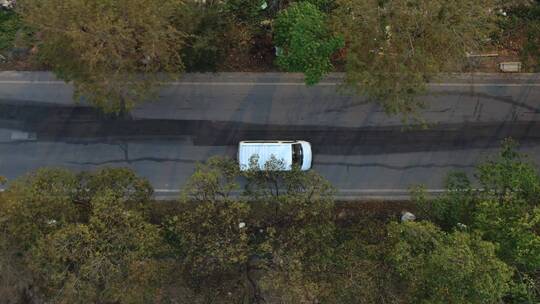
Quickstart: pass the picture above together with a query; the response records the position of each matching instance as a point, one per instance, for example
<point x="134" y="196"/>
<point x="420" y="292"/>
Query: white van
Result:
<point x="290" y="152"/>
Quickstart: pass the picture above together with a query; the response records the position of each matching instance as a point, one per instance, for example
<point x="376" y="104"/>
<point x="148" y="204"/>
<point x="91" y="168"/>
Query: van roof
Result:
<point x="265" y="150"/>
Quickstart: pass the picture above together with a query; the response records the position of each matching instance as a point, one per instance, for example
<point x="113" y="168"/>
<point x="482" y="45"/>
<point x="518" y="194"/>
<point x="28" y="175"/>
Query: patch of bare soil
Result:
<point x="351" y="211"/>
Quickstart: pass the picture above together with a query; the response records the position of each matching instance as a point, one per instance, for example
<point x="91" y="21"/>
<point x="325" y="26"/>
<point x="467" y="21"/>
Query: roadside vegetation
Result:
<point x="118" y="53"/>
<point x="97" y="237"/>
<point x="15" y="37"/>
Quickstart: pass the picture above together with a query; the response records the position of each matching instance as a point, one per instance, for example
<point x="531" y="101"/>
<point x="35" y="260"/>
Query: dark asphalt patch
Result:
<point x="84" y="124"/>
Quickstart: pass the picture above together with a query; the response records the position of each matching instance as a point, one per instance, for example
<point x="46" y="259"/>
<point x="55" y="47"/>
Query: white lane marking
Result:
<point x="194" y="83"/>
<point x="339" y="190"/>
<point x="379" y="191"/>
<point x="484" y="84"/>
<point x="189" y="83"/>
<point x="31" y="82"/>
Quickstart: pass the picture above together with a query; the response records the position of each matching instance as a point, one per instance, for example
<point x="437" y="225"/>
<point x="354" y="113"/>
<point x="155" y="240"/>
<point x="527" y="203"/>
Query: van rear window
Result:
<point x="297" y="155"/>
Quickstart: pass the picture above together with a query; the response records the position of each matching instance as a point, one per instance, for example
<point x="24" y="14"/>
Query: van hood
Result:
<point x="308" y="156"/>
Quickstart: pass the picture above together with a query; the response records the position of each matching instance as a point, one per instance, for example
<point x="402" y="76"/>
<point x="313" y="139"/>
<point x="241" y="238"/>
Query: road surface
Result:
<point x="362" y="151"/>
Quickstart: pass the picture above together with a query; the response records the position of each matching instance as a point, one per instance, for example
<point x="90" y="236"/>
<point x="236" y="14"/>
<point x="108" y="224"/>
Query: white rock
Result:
<point x="7" y="3"/>
<point x="407" y="217"/>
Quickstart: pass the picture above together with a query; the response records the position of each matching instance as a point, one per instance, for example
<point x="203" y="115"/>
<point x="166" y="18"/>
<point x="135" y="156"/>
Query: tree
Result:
<point x="10" y="25"/>
<point x="280" y="225"/>
<point x="56" y="205"/>
<point x="212" y="181"/>
<point x="128" y="189"/>
<point x="296" y="219"/>
<point x="15" y="280"/>
<point x="43" y="201"/>
<point x="520" y="30"/>
<point x="114" y="52"/>
<point x="110" y="259"/>
<point x="506" y="211"/>
<point x="360" y="270"/>
<point x="205" y="28"/>
<point x="510" y="174"/>
<point x="37" y="204"/>
<point x="456" y="207"/>
<point x="210" y="236"/>
<point x="231" y="35"/>
<point x="323" y="5"/>
<point x="305" y="43"/>
<point x="447" y="268"/>
<point x="395" y="47"/>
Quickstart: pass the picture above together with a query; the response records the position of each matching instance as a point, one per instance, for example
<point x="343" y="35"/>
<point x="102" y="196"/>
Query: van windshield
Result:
<point x="297" y="155"/>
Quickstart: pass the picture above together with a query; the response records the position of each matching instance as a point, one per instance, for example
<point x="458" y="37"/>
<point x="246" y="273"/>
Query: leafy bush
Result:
<point x="205" y="27"/>
<point x="453" y="208"/>
<point x="300" y="31"/>
<point x="78" y="238"/>
<point x="506" y="211"/>
<point x="323" y="5"/>
<point x="522" y="25"/>
<point x="446" y="268"/>
<point x="10" y="24"/>
<point x="245" y="11"/>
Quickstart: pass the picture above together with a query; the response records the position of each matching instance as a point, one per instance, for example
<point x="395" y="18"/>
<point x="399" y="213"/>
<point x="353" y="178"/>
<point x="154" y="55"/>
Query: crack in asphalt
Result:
<point x="79" y="125"/>
<point x="344" y="164"/>
<point x="503" y="99"/>
<point x="395" y="167"/>
<point x="135" y="160"/>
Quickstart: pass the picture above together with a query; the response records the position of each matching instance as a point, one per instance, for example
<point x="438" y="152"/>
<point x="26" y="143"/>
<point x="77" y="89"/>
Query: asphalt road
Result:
<point x="363" y="152"/>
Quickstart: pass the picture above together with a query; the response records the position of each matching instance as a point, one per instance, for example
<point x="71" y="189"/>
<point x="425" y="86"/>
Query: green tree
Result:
<point x="15" y="280"/>
<point x="296" y="218"/>
<point x="447" y="268"/>
<point x="226" y="35"/>
<point x="281" y="225"/>
<point x="520" y="31"/>
<point x="510" y="174"/>
<point x="207" y="27"/>
<point x="43" y="201"/>
<point x="110" y="259"/>
<point x="360" y="271"/>
<point x="10" y="24"/>
<point x="129" y="189"/>
<point x="323" y="5"/>
<point x="210" y="236"/>
<point x="56" y="202"/>
<point x="114" y="52"/>
<point x="505" y="211"/>
<point x="305" y="42"/>
<point x="454" y="208"/>
<point x="211" y="242"/>
<point x="395" y="47"/>
<point x="37" y="204"/>
<point x="246" y="11"/>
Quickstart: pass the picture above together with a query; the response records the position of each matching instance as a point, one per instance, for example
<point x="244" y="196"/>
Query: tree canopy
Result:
<point x="395" y="47"/>
<point x="304" y="41"/>
<point x="505" y="211"/>
<point x="114" y="52"/>
<point x="108" y="259"/>
<point x="447" y="268"/>
<point x="257" y="236"/>
<point x="77" y="237"/>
